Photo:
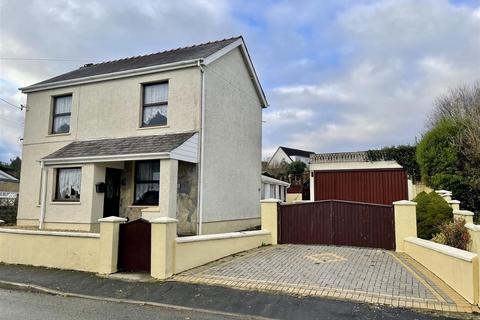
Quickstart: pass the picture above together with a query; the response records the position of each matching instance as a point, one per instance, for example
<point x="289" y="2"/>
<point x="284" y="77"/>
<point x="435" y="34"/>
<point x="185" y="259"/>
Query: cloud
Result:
<point x="339" y="74"/>
<point x="393" y="59"/>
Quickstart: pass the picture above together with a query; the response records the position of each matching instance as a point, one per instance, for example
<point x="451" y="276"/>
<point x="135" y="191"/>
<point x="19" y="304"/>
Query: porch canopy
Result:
<point x="178" y="146"/>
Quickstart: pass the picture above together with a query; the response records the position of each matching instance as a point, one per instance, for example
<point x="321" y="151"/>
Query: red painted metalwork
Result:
<point x="134" y="246"/>
<point x="334" y="222"/>
<point x="295" y="189"/>
<point x="382" y="186"/>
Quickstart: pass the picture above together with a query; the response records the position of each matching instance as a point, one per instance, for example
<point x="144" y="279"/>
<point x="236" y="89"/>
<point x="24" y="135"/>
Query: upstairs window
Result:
<point x="147" y="179"/>
<point x="68" y="184"/>
<point x="155" y="104"/>
<point x="62" y="107"/>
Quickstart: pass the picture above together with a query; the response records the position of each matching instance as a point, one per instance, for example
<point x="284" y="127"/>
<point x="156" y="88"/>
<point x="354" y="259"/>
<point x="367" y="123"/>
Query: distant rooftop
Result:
<point x="7" y="177"/>
<point x="297" y="152"/>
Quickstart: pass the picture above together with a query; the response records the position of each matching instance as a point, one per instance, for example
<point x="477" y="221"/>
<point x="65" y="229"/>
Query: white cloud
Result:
<point x="396" y="57"/>
<point x="339" y="75"/>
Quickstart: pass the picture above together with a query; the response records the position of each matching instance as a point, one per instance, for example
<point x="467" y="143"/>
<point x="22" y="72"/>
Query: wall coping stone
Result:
<point x="446" y="192"/>
<point x="51" y="233"/>
<point x="404" y="203"/>
<point x="441" y="248"/>
<point x="453" y="201"/>
<point x="473" y="227"/>
<point x="270" y="201"/>
<point x="463" y="212"/>
<point x="164" y="220"/>
<point x="219" y="236"/>
<point x="112" y="219"/>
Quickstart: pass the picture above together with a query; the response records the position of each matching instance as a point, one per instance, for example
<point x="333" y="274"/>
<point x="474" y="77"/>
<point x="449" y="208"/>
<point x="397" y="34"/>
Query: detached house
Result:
<point x="175" y="133"/>
<point x="288" y="155"/>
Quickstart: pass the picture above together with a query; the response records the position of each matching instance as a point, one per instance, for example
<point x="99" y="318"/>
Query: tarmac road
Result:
<point x="39" y="306"/>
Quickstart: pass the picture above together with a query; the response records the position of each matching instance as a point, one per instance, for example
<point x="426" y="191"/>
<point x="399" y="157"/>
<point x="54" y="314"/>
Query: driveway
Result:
<point x="345" y="273"/>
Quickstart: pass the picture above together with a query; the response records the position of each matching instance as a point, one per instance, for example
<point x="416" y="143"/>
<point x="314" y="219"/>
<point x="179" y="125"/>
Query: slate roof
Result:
<point x="122" y="146"/>
<point x="297" y="152"/>
<point x="170" y="56"/>
<point x="7" y="177"/>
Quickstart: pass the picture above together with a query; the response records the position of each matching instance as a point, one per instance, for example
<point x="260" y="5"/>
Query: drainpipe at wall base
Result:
<point x="43" y="194"/>
<point x="202" y="139"/>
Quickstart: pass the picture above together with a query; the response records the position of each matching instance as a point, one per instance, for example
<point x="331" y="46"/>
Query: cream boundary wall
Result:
<point x="191" y="252"/>
<point x="47" y="249"/>
<point x="458" y="268"/>
<point x="291" y="197"/>
<point x="232" y="154"/>
<point x="118" y="100"/>
<point x="91" y="252"/>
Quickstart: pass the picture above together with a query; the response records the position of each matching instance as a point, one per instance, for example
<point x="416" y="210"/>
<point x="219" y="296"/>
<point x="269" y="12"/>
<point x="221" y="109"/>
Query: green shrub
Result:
<point x="437" y="155"/>
<point x="453" y="234"/>
<point x="296" y="167"/>
<point x="405" y="155"/>
<point x="432" y="211"/>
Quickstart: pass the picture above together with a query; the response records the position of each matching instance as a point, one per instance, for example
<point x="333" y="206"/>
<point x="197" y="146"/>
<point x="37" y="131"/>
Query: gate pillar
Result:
<point x="164" y="232"/>
<point x="109" y="231"/>
<point x="405" y="219"/>
<point x="269" y="212"/>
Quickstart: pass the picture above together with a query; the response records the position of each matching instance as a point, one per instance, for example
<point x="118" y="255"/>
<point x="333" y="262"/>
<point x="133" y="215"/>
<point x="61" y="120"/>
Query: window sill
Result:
<point x="65" y="203"/>
<point x="153" y="127"/>
<point x="58" y="134"/>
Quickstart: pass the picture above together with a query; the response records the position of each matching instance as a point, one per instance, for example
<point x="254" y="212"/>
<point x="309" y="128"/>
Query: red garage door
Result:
<point x="382" y="186"/>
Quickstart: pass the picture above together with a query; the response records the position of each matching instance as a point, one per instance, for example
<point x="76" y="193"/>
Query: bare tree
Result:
<point x="463" y="106"/>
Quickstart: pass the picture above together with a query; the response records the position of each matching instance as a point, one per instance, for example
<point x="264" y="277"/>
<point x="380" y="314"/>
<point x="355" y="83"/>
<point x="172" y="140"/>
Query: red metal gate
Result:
<point x="335" y="222"/>
<point x="134" y="246"/>
<point x="382" y="186"/>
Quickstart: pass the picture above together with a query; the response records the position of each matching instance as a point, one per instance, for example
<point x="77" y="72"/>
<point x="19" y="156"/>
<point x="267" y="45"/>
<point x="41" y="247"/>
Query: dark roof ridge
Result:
<point x="292" y="151"/>
<point x="159" y="52"/>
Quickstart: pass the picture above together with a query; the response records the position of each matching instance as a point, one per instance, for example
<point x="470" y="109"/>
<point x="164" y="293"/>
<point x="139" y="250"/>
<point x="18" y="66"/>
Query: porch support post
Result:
<point x="405" y="219"/>
<point x="109" y="233"/>
<point x="43" y="193"/>
<point x="168" y="187"/>
<point x="164" y="232"/>
<point x="269" y="215"/>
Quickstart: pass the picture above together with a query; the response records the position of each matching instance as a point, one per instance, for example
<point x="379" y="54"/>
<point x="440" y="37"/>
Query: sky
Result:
<point x="339" y="75"/>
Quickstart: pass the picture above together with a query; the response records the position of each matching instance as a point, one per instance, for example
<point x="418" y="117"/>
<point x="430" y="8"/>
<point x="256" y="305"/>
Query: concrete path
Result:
<point x="202" y="299"/>
<point x="344" y="273"/>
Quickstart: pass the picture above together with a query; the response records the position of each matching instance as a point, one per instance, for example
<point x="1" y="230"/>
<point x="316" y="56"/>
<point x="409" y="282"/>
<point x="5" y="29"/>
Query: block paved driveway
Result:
<point x="360" y="274"/>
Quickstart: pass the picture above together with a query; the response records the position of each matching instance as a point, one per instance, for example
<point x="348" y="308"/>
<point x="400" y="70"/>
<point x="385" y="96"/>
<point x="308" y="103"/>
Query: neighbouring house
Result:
<point x="8" y="197"/>
<point x="273" y="188"/>
<point x="288" y="155"/>
<point x="171" y="134"/>
<point x="8" y="185"/>
<point x="351" y="176"/>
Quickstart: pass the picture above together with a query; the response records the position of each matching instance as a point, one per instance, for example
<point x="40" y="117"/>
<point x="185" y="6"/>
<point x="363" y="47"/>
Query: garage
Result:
<point x="349" y="176"/>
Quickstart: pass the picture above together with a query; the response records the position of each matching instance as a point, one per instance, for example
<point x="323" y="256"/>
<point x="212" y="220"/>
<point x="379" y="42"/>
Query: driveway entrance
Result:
<point x="337" y="222"/>
<point x="361" y="274"/>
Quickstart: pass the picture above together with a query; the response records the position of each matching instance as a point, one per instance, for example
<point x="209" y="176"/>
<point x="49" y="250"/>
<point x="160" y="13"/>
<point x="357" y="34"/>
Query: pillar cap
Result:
<point x="270" y="201"/>
<point x="164" y="220"/>
<point x="404" y="203"/>
<point x="453" y="201"/>
<point x="463" y="212"/>
<point x="112" y="219"/>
